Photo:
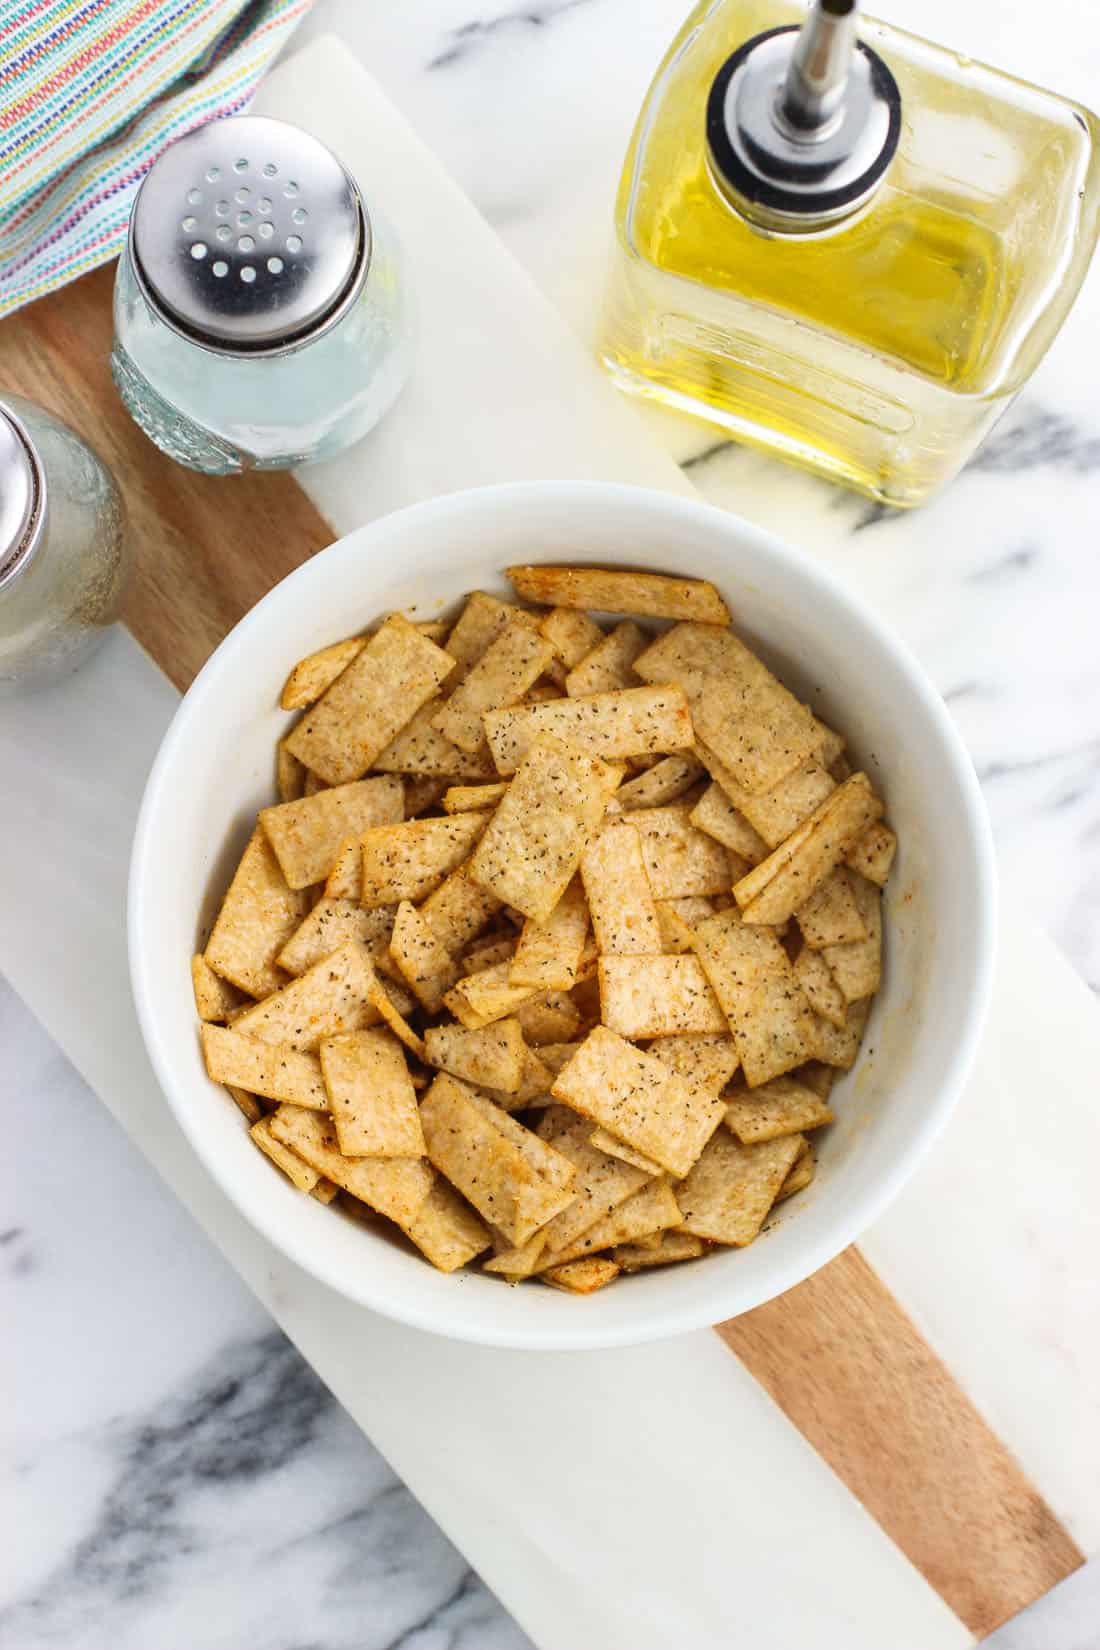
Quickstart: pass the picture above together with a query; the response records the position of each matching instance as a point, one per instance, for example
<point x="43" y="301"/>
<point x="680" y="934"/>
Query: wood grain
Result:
<point x="207" y="547"/>
<point x="837" y="1354"/>
<point x="848" y="1367"/>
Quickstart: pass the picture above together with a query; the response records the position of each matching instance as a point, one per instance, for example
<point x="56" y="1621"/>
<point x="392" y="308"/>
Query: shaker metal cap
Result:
<point x="249" y="237"/>
<point x="803" y="122"/>
<point x="22" y="497"/>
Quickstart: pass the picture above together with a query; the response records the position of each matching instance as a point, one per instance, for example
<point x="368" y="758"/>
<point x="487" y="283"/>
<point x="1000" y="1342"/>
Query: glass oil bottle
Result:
<point x="850" y="253"/>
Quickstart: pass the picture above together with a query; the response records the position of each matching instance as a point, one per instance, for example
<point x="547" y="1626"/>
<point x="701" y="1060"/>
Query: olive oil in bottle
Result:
<point x="848" y="252"/>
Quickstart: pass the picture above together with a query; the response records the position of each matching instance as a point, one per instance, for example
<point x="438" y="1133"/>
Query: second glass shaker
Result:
<point x="262" y="318"/>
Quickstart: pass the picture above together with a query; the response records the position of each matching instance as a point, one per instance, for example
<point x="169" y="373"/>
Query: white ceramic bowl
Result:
<point x="214" y="770"/>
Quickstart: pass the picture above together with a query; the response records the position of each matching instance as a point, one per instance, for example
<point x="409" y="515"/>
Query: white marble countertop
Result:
<point x="159" y="1505"/>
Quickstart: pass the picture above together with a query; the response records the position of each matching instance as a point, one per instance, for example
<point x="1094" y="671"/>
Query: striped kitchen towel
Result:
<point x="91" y="91"/>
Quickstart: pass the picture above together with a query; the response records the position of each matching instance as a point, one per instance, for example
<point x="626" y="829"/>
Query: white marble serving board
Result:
<point x="582" y="1568"/>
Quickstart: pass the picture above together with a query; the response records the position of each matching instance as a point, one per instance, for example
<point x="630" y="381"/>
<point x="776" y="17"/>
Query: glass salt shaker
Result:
<point x="262" y="316"/>
<point x="64" y="556"/>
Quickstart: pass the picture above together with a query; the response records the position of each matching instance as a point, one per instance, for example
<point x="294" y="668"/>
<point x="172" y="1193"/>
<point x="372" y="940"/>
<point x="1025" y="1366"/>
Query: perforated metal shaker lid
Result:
<point x="22" y="497"/>
<point x="249" y="236"/>
<point x="803" y="122"/>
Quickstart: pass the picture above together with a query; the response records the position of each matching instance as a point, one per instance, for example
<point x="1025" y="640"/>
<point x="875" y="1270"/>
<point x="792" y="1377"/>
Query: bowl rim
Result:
<point x="581" y="1333"/>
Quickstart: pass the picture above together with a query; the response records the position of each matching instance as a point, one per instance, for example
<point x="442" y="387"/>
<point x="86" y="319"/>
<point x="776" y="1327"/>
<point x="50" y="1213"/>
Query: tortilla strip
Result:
<point x="672" y="1246"/>
<point x="486" y="996"/>
<point x="716" y="814"/>
<point x="610" y="590"/>
<point x="331" y="924"/>
<point x="491" y="1057"/>
<point x="582" y="1277"/>
<point x="602" y="1181"/>
<point x="424" y="962"/>
<point x="271" y="1069"/>
<point x="652" y="1209"/>
<point x="345" y="880"/>
<point x="499" y="678"/>
<point x="773" y="1026"/>
<point x="666" y="781"/>
<point x="488" y="953"/>
<point x="657" y="997"/>
<point x="371" y="1097"/>
<point x="857" y="966"/>
<point x="316" y="673"/>
<point x="634" y="722"/>
<point x="257" y="917"/>
<point x="490" y="1163"/>
<point x="605" y="1141"/>
<point x="550" y="1017"/>
<point x="396" y="1187"/>
<point x="607" y="668"/>
<point x="775" y="888"/>
<point x="571" y="634"/>
<point x="333" y="996"/>
<point x="410" y="860"/>
<point x="391" y="1009"/>
<point x="215" y="998"/>
<point x="247" y="1104"/>
<point x="296" y="1171"/>
<point x="783" y="1106"/>
<point x="727" y="1196"/>
<point x="755" y="725"/>
<point x="514" y="1262"/>
<point x="422" y="751"/>
<point x="458" y="910"/>
<point x="290" y="775"/>
<point x="548" y="954"/>
<point x="482" y="620"/>
<point x="370" y="702"/>
<point x="639" y="1100"/>
<point x="680" y="861"/>
<point x="466" y="799"/>
<point x="306" y="836"/>
<point x="624" y="916"/>
<point x="831" y="915"/>
<point x="676" y="918"/>
<point x="800" y="1175"/>
<point x="707" y="1061"/>
<point x="839" y="1045"/>
<point x="872" y="853"/>
<point x="447" y="1230"/>
<point x="533" y="844"/>
<point x="822" y="992"/>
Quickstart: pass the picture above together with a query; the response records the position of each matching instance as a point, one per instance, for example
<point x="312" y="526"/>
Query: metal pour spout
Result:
<point x="813" y="93"/>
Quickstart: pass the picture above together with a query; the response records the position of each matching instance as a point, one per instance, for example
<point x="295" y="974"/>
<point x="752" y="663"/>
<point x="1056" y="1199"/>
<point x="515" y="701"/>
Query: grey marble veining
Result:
<point x="173" y="1475"/>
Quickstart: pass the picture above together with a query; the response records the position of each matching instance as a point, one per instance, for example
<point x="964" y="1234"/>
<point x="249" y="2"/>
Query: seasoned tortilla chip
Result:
<point x="603" y="1181"/>
<point x="410" y="860"/>
<point x="872" y="853"/>
<point x="549" y="953"/>
<point x="333" y="996"/>
<point x="275" y="1071"/>
<point x="215" y="998"/>
<point x="297" y="1172"/>
<point x="624" y="916"/>
<point x="715" y="814"/>
<point x="668" y="779"/>
<point x="421" y="751"/>
<point x="581" y="1277"/>
<point x="396" y="1187"/>
<point x="421" y="793"/>
<point x="817" y="1076"/>
<point x="680" y="861"/>
<point x="331" y="924"/>
<point x="798" y="1177"/>
<point x="857" y="966"/>
<point x="831" y="915"/>
<point x="822" y="992"/>
<point x="773" y="1026"/>
<point x="423" y="960"/>
<point x="486" y="996"/>
<point x="652" y="1209"/>
<point x="706" y="1061"/>
<point x="514" y="1188"/>
<point x="533" y="844"/>
<point x="657" y="997"/>
<point x="639" y="1100"/>
<point x="839" y="1045"/>
<point x="605" y="1141"/>
<point x="307" y="836"/>
<point x="458" y="910"/>
<point x="676" y="918"/>
<point x="313" y="784"/>
<point x="482" y="620"/>
<point x="609" y="590"/>
<point x="634" y="722"/>
<point x="776" y="887"/>
<point x="773" y="814"/>
<point x="247" y="1104"/>
<point x="371" y="1097"/>
<point x="728" y="1193"/>
<point x="556" y="1055"/>
<point x="370" y="702"/>
<point x="499" y="678"/>
<point x="392" y="1009"/>
<point x="290" y="775"/>
<point x="467" y="799"/>
<point x="316" y="673"/>
<point x="551" y="1017"/>
<point x="258" y="915"/>
<point x="488" y="953"/>
<point x="607" y="668"/>
<point x="512" y="1262"/>
<point x="491" y="1057"/>
<point x="571" y="634"/>
<point x="447" y="1230"/>
<point x="670" y="1247"/>
<point x="754" y="725"/>
<point x="780" y="1107"/>
<point x="345" y="880"/>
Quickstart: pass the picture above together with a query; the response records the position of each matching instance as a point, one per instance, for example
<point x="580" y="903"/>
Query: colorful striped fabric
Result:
<point x="91" y="91"/>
